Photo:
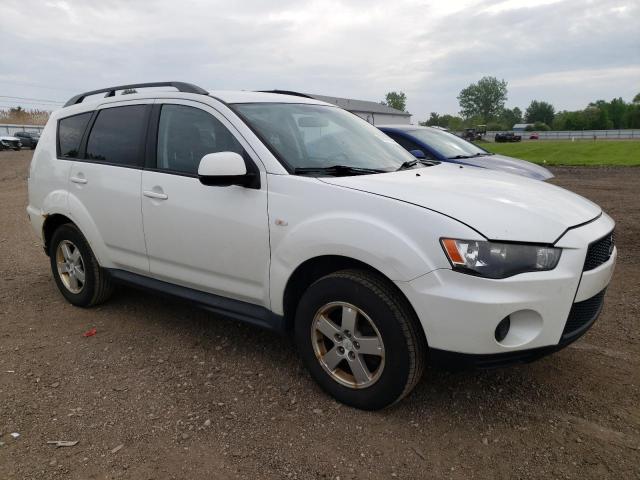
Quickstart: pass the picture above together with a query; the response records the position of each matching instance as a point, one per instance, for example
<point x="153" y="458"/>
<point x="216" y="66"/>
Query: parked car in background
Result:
<point x="8" y="142"/>
<point x="507" y="137"/>
<point x="295" y="215"/>
<point x="28" y="139"/>
<point x="473" y="134"/>
<point x="534" y="136"/>
<point x="436" y="144"/>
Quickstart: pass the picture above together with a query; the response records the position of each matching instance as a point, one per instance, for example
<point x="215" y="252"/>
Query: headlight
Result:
<point x="499" y="260"/>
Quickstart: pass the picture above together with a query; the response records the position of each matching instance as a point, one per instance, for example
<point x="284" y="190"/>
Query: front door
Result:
<point x="210" y="238"/>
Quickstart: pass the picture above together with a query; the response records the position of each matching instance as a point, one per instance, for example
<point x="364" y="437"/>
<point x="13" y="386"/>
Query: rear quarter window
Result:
<point x="70" y="131"/>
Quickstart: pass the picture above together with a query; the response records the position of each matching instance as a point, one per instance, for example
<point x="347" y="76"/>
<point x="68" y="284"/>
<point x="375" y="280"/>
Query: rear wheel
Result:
<point x="75" y="269"/>
<point x="360" y="339"/>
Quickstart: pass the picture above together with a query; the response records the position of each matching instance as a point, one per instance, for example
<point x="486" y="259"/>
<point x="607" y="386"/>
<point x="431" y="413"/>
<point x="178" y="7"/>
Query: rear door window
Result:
<point x="70" y="131"/>
<point x="117" y="136"/>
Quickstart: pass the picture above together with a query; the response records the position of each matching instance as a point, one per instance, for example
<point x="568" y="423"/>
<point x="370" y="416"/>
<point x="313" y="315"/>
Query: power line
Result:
<point x="15" y="106"/>
<point x="18" y="103"/>
<point x="44" y="100"/>
<point x="36" y="86"/>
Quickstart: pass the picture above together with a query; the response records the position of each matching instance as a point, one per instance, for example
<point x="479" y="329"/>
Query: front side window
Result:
<point x="117" y="136"/>
<point x="186" y="134"/>
<point x="408" y="144"/>
<point x="447" y="144"/>
<point x="70" y="131"/>
<point x="306" y="136"/>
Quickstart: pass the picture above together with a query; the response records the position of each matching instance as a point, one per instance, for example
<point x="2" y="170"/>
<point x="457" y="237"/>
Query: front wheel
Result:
<point x="360" y="339"/>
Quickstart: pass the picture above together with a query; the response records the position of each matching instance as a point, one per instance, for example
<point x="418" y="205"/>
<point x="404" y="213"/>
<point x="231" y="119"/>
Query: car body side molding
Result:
<point x="231" y="308"/>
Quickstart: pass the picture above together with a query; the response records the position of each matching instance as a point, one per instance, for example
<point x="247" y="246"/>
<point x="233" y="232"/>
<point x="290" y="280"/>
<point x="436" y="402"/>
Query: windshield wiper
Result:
<point x="407" y="165"/>
<point x="339" y="170"/>
<point x="457" y="157"/>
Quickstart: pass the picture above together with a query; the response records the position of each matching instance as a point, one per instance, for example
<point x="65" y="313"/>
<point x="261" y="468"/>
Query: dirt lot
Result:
<point x="164" y="390"/>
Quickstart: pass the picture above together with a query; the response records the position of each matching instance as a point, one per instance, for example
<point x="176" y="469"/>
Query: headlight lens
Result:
<point x="499" y="260"/>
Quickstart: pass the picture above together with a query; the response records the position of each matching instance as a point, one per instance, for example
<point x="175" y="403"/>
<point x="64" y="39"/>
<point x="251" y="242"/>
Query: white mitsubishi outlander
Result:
<point x="294" y="215"/>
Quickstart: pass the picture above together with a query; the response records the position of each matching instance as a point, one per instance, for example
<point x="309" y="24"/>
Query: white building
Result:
<point x="521" y="127"/>
<point x="373" y="112"/>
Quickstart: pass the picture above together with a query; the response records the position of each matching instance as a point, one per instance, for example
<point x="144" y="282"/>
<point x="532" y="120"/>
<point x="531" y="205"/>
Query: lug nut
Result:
<point x="338" y="337"/>
<point x="341" y="350"/>
<point x="352" y="355"/>
<point x="356" y="345"/>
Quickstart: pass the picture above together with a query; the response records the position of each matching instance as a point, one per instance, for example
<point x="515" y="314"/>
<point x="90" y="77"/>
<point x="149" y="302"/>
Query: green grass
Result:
<point x="580" y="152"/>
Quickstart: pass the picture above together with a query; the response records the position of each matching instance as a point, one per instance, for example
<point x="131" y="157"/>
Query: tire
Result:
<point x="380" y="311"/>
<point x="96" y="286"/>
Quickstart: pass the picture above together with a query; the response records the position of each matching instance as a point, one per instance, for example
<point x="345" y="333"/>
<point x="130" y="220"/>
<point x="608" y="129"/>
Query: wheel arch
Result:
<point x="50" y="225"/>
<point x="317" y="267"/>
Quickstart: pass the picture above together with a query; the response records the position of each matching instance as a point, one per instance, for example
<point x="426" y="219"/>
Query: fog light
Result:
<point x="503" y="328"/>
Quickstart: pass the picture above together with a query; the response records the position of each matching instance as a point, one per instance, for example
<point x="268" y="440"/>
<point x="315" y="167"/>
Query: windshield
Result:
<point x="447" y="144"/>
<point x="318" y="136"/>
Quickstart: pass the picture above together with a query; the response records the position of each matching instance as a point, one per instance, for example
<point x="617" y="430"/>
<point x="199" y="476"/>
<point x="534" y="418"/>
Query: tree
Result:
<point x="597" y="118"/>
<point x="538" y="126"/>
<point x="447" y="121"/>
<point x="434" y="120"/>
<point x="539" y="112"/>
<point x="485" y="99"/>
<point x="508" y="118"/>
<point x="636" y="99"/>
<point x="397" y="100"/>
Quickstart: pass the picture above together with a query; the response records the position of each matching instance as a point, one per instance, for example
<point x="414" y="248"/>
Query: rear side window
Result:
<point x="186" y="134"/>
<point x="117" y="136"/>
<point x="70" y="131"/>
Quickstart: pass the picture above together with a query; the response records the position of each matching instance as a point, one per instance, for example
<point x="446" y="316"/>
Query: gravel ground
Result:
<point x="164" y="390"/>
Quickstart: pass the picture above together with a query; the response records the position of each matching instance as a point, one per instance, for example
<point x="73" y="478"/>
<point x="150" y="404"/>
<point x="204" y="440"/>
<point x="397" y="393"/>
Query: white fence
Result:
<point x="11" y="128"/>
<point x="627" y="134"/>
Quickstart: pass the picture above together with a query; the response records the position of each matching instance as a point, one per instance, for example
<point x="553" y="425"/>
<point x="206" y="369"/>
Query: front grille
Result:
<point x="582" y="315"/>
<point x="599" y="252"/>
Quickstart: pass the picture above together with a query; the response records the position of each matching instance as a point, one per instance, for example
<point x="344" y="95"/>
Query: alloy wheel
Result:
<point x="70" y="266"/>
<point x="348" y="345"/>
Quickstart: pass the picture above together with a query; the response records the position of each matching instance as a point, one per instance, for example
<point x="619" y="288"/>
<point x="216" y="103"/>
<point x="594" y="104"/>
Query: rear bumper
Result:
<point x="546" y="310"/>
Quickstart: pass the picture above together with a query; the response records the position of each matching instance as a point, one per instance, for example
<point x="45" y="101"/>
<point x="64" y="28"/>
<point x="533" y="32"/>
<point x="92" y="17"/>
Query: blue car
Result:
<point x="435" y="144"/>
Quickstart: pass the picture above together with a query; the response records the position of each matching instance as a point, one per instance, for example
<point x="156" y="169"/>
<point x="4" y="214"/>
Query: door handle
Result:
<point x="78" y="180"/>
<point x="156" y="195"/>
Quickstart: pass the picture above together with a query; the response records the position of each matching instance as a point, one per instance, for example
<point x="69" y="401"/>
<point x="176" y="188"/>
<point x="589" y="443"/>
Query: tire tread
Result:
<point x="407" y="319"/>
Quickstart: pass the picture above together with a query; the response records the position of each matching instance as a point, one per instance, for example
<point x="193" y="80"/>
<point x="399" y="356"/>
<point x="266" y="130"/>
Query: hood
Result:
<point x="500" y="206"/>
<point x="509" y="165"/>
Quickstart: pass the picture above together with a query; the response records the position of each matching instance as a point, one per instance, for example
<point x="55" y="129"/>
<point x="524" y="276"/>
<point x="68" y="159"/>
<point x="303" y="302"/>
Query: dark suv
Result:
<point x="507" y="137"/>
<point x="28" y="139"/>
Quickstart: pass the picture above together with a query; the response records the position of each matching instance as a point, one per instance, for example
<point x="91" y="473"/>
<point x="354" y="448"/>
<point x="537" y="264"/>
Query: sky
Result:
<point x="566" y="52"/>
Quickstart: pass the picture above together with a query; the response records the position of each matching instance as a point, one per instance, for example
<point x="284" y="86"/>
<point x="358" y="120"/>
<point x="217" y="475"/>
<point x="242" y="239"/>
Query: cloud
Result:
<point x="567" y="52"/>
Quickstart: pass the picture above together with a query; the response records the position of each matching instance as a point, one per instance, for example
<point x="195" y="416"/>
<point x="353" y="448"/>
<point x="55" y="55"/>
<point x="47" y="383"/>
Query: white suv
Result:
<point x="294" y="215"/>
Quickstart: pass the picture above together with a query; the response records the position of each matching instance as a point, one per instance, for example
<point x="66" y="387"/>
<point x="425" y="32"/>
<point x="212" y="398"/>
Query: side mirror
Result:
<point x="223" y="169"/>
<point x="419" y="154"/>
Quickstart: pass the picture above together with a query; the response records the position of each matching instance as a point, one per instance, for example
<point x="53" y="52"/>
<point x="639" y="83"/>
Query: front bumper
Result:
<point x="460" y="313"/>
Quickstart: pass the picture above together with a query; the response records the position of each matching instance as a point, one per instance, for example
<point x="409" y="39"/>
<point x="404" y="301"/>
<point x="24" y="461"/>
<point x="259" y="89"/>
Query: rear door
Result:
<point x="106" y="181"/>
<point x="210" y="238"/>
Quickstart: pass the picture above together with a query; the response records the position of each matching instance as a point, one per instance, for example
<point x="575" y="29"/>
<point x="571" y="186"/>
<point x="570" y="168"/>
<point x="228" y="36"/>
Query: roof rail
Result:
<point x="286" y="92"/>
<point x="111" y="91"/>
